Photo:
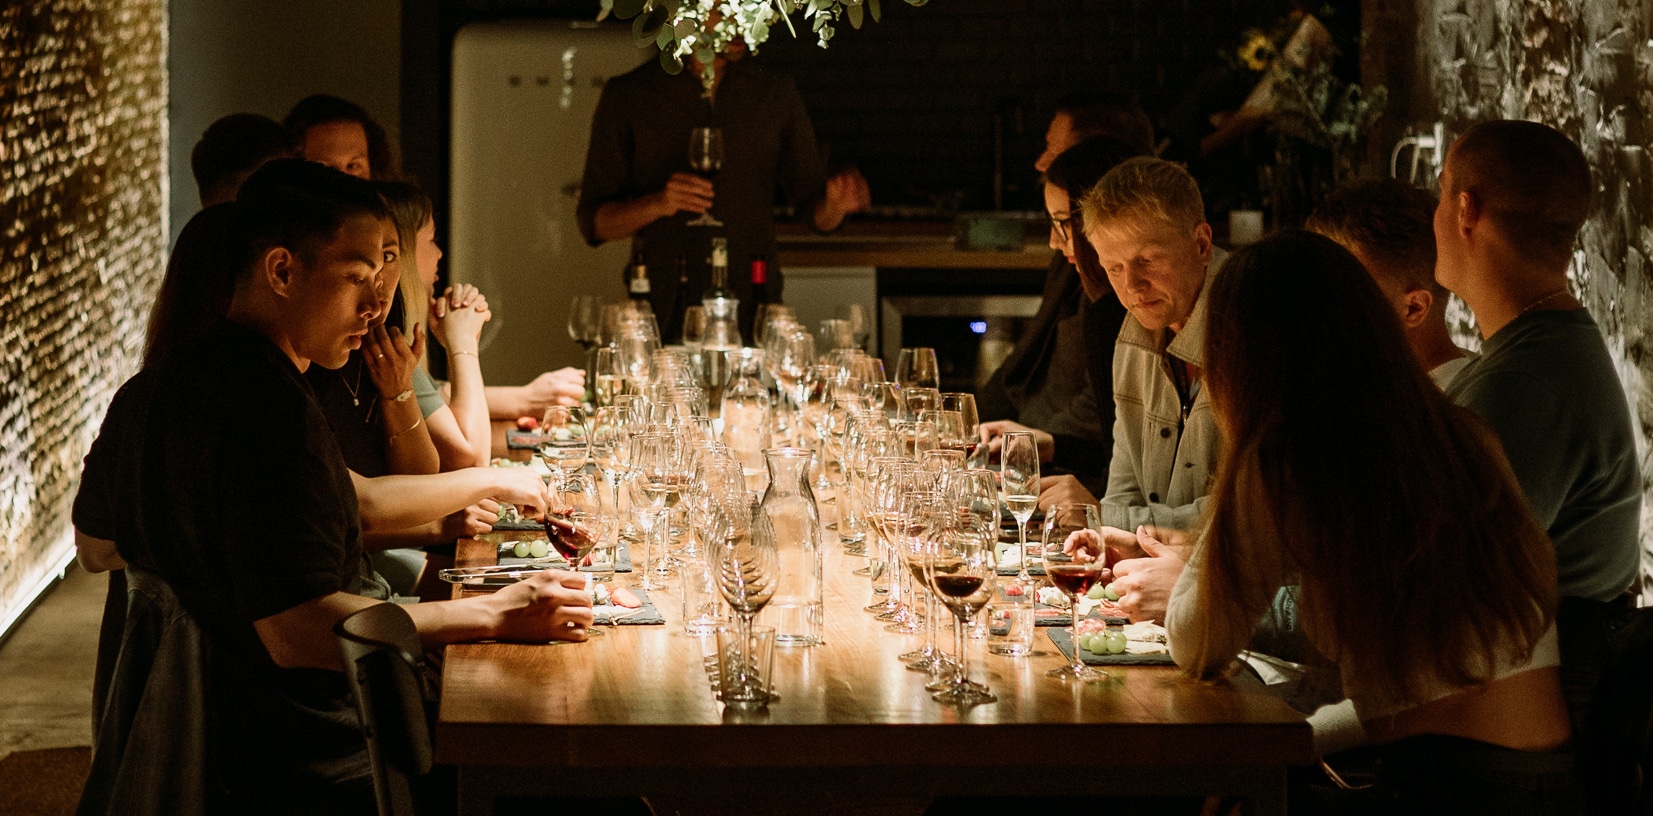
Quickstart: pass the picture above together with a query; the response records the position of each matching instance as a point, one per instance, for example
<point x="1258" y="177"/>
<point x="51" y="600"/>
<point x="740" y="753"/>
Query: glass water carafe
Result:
<point x="789" y="505"/>
<point x="747" y="414"/>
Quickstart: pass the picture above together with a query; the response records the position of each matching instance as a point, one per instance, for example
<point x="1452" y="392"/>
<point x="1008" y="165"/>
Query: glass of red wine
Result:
<point x="576" y="522"/>
<point x="706" y="158"/>
<point x="961" y="570"/>
<point x="1075" y="579"/>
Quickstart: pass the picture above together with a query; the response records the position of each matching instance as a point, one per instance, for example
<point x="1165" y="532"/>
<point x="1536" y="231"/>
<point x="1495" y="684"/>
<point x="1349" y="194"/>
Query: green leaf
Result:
<point x="665" y="38"/>
<point x="855" y="13"/>
<point x="670" y="63"/>
<point x="646" y="28"/>
<point x="627" y="9"/>
<point x="876" y="10"/>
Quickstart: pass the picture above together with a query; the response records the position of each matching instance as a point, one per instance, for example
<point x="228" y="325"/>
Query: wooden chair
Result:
<point x="385" y="664"/>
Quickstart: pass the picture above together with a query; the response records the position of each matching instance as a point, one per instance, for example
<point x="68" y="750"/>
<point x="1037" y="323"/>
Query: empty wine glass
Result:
<point x="1019" y="479"/>
<point x="860" y="321"/>
<point x="917" y="367"/>
<point x="608" y="325"/>
<point x="706" y="158"/>
<point x="744" y="560"/>
<point x="659" y="471"/>
<point x="565" y="438"/>
<point x="834" y="334"/>
<point x="694" y="328"/>
<point x="585" y="315"/>
<point x="965" y="405"/>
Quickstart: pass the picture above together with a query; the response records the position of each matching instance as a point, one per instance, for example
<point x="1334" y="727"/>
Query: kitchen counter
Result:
<point x="901" y="246"/>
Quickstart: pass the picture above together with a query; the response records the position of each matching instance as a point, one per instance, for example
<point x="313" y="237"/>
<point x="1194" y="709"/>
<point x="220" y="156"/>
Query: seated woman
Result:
<point x="341" y="135"/>
<point x="1074" y="426"/>
<point x="1422" y="574"/>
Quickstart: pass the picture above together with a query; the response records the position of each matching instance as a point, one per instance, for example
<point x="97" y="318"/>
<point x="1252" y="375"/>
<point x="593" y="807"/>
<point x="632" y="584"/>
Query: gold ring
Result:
<point x="380" y="355"/>
<point x="571" y="624"/>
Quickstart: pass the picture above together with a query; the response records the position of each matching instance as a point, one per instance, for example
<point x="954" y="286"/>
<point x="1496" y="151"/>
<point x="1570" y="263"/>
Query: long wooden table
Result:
<point x="632" y="713"/>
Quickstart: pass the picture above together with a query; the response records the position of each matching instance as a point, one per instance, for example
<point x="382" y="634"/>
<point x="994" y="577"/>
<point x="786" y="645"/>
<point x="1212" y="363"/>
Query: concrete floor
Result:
<point x="46" y="668"/>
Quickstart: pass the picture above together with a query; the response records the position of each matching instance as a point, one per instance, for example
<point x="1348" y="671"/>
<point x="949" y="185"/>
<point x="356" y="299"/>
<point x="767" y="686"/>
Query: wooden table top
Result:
<point x="638" y="698"/>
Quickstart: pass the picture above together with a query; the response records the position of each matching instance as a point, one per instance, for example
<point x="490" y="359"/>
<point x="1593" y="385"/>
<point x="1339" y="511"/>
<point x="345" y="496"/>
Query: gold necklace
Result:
<point x="1541" y="301"/>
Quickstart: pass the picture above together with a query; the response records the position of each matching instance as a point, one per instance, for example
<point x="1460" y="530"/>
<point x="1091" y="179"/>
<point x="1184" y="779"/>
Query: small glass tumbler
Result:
<point x="702" y="603"/>
<point x="1010" y="629"/>
<point x="745" y="669"/>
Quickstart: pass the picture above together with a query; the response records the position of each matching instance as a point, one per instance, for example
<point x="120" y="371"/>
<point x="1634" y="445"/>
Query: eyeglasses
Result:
<point x="1060" y="225"/>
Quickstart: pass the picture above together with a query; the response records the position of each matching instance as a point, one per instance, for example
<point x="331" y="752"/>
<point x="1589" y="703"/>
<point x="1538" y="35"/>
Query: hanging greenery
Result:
<point x="701" y="29"/>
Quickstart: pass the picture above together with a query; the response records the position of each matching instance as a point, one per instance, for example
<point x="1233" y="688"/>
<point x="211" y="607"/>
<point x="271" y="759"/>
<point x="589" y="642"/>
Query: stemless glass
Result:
<point x="706" y="158"/>
<point x="565" y="438"/>
<point x="917" y="367"/>
<point x="1019" y="479"/>
<point x="585" y="317"/>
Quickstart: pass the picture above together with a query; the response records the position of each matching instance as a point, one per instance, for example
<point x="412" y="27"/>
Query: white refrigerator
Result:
<point x="523" y="97"/>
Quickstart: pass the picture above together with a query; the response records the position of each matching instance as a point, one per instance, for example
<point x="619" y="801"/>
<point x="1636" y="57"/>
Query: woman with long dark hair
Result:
<point x="1422" y="575"/>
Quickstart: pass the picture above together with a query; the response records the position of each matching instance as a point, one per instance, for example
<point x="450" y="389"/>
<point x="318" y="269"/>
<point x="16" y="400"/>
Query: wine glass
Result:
<point x="706" y="158"/>
<point x="611" y="447"/>
<point x="917" y="367"/>
<point x="1075" y="580"/>
<point x="608" y="376"/>
<point x="918" y="399"/>
<point x="860" y="321"/>
<point x="659" y="471"/>
<point x="965" y="405"/>
<point x="565" y="438"/>
<point x="962" y="573"/>
<point x="744" y="559"/>
<point x="694" y="328"/>
<point x="1019" y="479"/>
<point x="834" y="334"/>
<point x="885" y="396"/>
<point x="585" y="317"/>
<point x="975" y="497"/>
<point x="576" y="522"/>
<point x="926" y="521"/>
<point x="608" y="325"/>
<point x="1062" y="520"/>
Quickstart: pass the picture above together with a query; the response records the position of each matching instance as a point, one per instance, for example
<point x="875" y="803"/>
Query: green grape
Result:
<point x="1109" y="593"/>
<point x="521" y="549"/>
<point x="1096" y="592"/>
<point x="539" y="549"/>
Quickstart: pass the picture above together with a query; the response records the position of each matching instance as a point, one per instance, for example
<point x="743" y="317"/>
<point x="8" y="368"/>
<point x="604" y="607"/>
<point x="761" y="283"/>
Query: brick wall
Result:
<point x="911" y="99"/>
<point x="82" y="246"/>
<point x="1586" y="67"/>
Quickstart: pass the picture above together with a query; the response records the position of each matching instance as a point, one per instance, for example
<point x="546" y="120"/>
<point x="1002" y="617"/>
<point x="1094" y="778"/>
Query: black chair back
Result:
<point x="1615" y="746"/>
<point x="385" y="664"/>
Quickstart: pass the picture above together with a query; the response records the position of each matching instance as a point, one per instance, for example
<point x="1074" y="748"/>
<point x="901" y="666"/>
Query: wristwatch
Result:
<point x="403" y="397"/>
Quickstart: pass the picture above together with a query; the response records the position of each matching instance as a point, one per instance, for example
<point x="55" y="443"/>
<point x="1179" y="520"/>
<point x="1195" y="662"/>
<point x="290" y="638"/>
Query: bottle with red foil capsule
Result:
<point x="760" y="280"/>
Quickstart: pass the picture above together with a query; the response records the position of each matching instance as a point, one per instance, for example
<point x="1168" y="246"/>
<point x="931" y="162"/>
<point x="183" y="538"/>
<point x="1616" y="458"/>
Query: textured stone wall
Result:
<point x="1586" y="67"/>
<point x="82" y="247"/>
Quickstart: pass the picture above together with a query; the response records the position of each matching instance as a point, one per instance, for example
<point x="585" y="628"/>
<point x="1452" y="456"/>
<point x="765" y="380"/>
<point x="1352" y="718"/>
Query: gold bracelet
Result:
<point x="416" y="423"/>
<point x="472" y="353"/>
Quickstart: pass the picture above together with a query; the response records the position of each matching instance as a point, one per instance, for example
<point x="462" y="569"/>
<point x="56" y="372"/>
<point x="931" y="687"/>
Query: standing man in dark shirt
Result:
<point x="216" y="470"/>
<point x="637" y="182"/>
<point x="1513" y="198"/>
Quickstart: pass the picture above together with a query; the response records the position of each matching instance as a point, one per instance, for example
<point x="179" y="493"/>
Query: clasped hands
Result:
<point x="1146" y="564"/>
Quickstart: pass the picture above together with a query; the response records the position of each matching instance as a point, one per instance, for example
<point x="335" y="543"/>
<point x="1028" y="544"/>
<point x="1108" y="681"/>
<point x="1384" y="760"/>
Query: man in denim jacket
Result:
<point x="1147" y="222"/>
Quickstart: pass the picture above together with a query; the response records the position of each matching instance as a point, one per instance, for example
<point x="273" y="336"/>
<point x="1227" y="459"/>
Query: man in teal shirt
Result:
<point x="1513" y="198"/>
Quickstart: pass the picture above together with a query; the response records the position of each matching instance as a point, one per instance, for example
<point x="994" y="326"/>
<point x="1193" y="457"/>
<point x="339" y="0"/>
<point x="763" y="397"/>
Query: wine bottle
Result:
<point x="720" y="270"/>
<point x="637" y="278"/>
<point x="760" y="280"/>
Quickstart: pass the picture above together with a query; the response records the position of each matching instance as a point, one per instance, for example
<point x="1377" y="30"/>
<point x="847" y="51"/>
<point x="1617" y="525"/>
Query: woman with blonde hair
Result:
<point x="1421" y="573"/>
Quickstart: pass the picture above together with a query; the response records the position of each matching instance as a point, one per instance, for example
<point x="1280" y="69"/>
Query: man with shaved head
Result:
<point x="1513" y="198"/>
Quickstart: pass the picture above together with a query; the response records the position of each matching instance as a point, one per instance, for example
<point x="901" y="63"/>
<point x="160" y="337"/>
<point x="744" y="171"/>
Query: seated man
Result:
<point x="1390" y="226"/>
<point x="1043" y="385"/>
<point x="343" y="135"/>
<point x="1513" y="198"/>
<point x="231" y="149"/>
<point x="216" y="470"/>
<point x="1146" y="221"/>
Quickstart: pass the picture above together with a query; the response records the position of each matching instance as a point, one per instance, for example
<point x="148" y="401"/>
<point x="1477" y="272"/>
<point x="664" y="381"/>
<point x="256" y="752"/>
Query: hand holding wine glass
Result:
<point x="706" y="158"/>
